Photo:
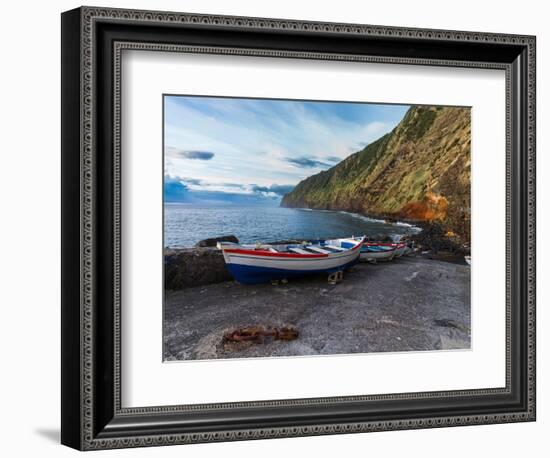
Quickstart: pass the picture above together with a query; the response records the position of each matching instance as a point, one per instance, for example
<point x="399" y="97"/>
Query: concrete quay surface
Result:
<point x="409" y="304"/>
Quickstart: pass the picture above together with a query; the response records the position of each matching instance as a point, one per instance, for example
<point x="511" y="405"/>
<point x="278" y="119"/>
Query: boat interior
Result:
<point x="317" y="247"/>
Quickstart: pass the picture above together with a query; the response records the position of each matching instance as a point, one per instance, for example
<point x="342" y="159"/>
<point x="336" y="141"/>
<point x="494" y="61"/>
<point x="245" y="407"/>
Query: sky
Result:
<point x="255" y="150"/>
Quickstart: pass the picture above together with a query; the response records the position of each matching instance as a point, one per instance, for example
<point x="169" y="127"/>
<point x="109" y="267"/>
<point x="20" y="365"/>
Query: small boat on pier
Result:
<point x="382" y="251"/>
<point x="377" y="253"/>
<point x="400" y="248"/>
<point x="251" y="264"/>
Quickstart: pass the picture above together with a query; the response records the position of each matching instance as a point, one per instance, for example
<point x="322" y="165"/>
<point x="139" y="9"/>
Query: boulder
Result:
<point x="213" y="241"/>
<point x="188" y="267"/>
<point x="383" y="238"/>
<point x="434" y="238"/>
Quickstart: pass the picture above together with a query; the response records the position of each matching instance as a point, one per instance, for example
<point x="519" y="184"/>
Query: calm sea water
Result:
<point x="185" y="224"/>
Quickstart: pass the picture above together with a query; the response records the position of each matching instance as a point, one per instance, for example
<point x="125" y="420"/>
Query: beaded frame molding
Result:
<point x="93" y="40"/>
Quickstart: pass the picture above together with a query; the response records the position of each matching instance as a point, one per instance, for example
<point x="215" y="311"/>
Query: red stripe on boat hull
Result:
<point x="272" y="254"/>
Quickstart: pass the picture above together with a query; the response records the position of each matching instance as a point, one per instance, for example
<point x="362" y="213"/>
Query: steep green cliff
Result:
<point x="420" y="171"/>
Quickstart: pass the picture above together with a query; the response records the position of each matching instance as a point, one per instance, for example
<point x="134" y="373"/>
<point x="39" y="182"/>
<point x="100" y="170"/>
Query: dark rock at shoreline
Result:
<point x="384" y="238"/>
<point x="434" y="238"/>
<point x="213" y="241"/>
<point x="446" y="256"/>
<point x="193" y="267"/>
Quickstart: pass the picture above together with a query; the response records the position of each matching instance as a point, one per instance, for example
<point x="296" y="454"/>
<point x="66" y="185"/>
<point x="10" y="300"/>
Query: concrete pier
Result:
<point x="409" y="304"/>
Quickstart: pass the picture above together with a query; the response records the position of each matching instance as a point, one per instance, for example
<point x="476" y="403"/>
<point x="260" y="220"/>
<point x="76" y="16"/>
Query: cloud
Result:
<point x="189" y="154"/>
<point x="183" y="189"/>
<point x="197" y="185"/>
<point x="233" y="185"/>
<point x="174" y="189"/>
<point x="276" y="189"/>
<point x="201" y="155"/>
<point x="306" y="162"/>
<point x="173" y="179"/>
<point x="189" y="190"/>
<point x="333" y="159"/>
<point x="191" y="181"/>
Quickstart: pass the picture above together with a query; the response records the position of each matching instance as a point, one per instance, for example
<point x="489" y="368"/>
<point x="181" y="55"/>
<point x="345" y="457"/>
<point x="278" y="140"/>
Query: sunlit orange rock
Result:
<point x="432" y="208"/>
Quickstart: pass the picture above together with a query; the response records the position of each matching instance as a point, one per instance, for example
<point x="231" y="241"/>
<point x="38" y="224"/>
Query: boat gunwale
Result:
<point x="239" y="250"/>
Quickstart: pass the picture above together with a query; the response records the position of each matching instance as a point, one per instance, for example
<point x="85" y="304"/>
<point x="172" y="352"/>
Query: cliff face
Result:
<point x="420" y="171"/>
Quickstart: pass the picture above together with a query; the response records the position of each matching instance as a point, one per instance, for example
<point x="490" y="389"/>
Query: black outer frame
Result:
<point x="92" y="417"/>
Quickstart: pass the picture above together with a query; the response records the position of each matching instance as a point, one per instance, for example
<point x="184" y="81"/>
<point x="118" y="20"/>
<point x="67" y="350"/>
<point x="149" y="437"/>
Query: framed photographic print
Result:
<point x="279" y="228"/>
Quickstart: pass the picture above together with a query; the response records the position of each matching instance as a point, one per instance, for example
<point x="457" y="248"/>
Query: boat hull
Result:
<point x="382" y="255"/>
<point x="399" y="248"/>
<point x="249" y="266"/>
<point x="250" y="275"/>
<point x="372" y="251"/>
<point x="400" y="251"/>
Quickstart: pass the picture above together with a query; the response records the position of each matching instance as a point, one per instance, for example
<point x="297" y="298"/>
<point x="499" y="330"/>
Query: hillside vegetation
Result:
<point x="420" y="171"/>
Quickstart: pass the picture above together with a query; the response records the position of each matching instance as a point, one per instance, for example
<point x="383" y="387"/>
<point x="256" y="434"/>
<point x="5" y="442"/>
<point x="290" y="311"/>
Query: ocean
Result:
<point x="186" y="224"/>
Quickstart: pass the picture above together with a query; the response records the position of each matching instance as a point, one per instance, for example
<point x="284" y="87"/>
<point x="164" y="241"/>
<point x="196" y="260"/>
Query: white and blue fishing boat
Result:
<point x="377" y="252"/>
<point x="400" y="248"/>
<point x="250" y="264"/>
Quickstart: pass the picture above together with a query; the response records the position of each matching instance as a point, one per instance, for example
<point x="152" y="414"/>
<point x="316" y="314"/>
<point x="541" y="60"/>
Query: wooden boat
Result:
<point x="250" y="264"/>
<point x="372" y="251"/>
<point x="377" y="253"/>
<point x="400" y="248"/>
